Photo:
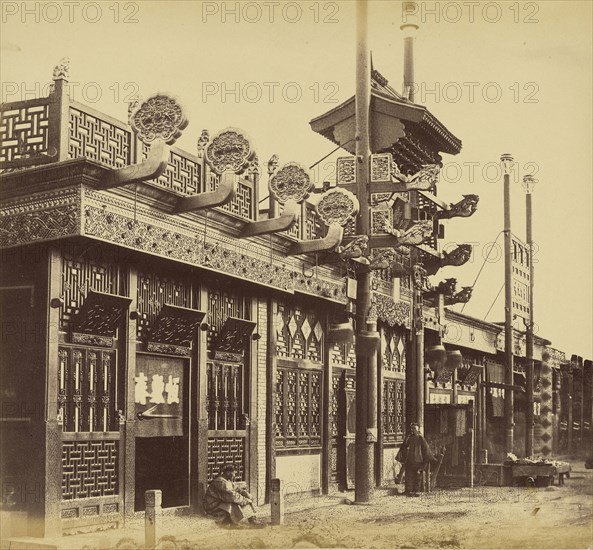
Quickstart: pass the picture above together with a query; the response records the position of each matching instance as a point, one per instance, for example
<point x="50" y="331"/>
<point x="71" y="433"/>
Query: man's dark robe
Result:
<point x="223" y="501"/>
<point x="418" y="455"/>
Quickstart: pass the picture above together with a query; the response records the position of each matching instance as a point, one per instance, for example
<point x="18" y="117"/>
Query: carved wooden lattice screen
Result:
<point x="226" y="398"/>
<point x="24" y="132"/>
<point x="153" y="293"/>
<point x="299" y="333"/>
<point x="78" y="277"/>
<point x="393" y="349"/>
<point x="226" y="419"/>
<point x="87" y="401"/>
<point x="244" y="203"/>
<point x="87" y="390"/>
<point x="107" y="142"/>
<point x="393" y="408"/>
<point x="298" y="407"/>
<point x="183" y="174"/>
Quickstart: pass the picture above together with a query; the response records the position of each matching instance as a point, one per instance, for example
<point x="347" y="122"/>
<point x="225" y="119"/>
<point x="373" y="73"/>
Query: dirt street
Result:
<point x="483" y="517"/>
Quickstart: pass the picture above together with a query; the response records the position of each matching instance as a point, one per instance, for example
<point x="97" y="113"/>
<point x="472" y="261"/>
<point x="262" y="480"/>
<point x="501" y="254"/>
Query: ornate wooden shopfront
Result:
<point x="171" y="328"/>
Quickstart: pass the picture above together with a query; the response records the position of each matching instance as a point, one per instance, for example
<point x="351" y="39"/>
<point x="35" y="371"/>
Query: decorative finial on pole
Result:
<point x="62" y="70"/>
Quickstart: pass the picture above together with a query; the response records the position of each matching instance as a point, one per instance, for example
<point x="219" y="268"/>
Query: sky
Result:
<point x="504" y="77"/>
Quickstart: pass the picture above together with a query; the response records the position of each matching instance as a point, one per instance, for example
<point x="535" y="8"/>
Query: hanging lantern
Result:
<point x="454" y="359"/>
<point x="436" y="356"/>
<point x="341" y="333"/>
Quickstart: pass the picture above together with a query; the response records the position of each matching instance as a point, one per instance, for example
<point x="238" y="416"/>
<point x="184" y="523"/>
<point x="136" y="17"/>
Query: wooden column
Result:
<point x="129" y="435"/>
<point x="53" y="430"/>
<point x="271" y="396"/>
<point x="251" y="422"/>
<point x="326" y="437"/>
<point x="201" y="447"/>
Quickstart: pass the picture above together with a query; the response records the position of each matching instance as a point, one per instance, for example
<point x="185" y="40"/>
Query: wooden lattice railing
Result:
<point x="55" y="128"/>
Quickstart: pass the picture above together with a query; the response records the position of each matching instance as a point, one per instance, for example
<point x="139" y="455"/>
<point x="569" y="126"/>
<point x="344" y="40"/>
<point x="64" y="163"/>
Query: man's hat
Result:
<point x="229" y="467"/>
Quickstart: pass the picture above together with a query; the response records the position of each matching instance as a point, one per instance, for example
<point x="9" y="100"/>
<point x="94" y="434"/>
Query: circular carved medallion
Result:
<point x="337" y="206"/>
<point x="158" y="117"/>
<point x="229" y="150"/>
<point x="290" y="182"/>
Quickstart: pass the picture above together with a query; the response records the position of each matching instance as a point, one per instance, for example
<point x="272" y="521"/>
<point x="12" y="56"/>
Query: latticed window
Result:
<point x="393" y="410"/>
<point x="298" y="407"/>
<point x="299" y="333"/>
<point x="393" y="349"/>
<point x="87" y="390"/>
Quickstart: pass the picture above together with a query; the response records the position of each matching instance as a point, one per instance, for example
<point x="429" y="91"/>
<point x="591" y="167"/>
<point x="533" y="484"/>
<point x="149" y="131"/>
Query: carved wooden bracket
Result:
<point x="289" y="186"/>
<point x="174" y="329"/>
<point x="333" y="238"/>
<point x="157" y="121"/>
<point x="225" y="192"/>
<point x="152" y="167"/>
<point x="228" y="154"/>
<point x="286" y="220"/>
<point x="336" y="208"/>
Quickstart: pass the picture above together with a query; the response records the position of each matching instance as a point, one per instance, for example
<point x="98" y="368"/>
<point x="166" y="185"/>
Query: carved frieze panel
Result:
<point x="184" y="245"/>
<point x="98" y="317"/>
<point x="346" y="170"/>
<point x="381" y="167"/>
<point x="233" y="339"/>
<point x="392" y="312"/>
<point x="174" y="329"/>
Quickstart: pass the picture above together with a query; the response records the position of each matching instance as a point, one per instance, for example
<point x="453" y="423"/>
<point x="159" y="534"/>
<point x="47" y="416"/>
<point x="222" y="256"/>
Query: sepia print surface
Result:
<point x="310" y="274"/>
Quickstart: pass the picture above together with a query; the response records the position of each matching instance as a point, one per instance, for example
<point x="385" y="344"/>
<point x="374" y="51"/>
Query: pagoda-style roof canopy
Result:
<point x="409" y="131"/>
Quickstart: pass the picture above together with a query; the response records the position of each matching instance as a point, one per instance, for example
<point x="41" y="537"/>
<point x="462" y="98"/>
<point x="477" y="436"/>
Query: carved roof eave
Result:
<point x="392" y="108"/>
<point x="88" y="173"/>
<point x="49" y="177"/>
<point x="52" y="203"/>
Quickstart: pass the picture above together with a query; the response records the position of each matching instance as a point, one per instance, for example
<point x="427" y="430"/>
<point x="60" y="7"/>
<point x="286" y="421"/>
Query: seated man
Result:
<point x="227" y="503"/>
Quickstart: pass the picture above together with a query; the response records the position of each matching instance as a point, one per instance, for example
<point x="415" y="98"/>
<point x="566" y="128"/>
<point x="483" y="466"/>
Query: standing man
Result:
<point x="415" y="455"/>
<point x="227" y="503"/>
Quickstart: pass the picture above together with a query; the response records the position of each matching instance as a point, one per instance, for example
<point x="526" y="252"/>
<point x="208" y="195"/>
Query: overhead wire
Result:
<point x="483" y="264"/>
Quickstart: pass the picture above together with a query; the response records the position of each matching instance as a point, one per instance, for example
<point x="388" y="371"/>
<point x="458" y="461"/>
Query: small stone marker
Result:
<point x="153" y="500"/>
<point x="277" y="502"/>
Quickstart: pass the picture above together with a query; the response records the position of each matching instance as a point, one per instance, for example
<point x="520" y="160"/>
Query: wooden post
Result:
<point x="153" y="511"/>
<point x="529" y="417"/>
<point x="366" y="373"/>
<point x="277" y="502"/>
<point x="508" y="306"/>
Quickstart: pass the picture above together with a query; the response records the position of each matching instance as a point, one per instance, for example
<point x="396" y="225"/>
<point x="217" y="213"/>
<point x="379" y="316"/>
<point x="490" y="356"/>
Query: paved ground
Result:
<point x="484" y="517"/>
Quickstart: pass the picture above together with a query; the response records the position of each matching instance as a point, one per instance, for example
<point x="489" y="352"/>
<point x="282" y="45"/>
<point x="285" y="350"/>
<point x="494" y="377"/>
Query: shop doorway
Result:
<point x="162" y="429"/>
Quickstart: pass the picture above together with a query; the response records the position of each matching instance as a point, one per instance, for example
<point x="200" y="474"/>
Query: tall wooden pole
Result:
<point x="507" y="161"/>
<point x="366" y="379"/>
<point x="528" y="183"/>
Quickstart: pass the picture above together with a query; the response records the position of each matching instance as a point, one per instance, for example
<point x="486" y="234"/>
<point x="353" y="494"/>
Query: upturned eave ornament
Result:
<point x="462" y="209"/>
<point x="229" y="154"/>
<point x="289" y="186"/>
<point x="157" y="122"/>
<point x="335" y="208"/>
